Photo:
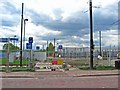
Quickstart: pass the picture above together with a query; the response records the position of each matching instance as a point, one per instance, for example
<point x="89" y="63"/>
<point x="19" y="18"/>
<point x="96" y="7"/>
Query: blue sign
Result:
<point x="30" y="39"/>
<point x="60" y="47"/>
<point x="6" y="39"/>
<point x="28" y="45"/>
<point x="14" y="39"/>
<point x="3" y="39"/>
<point x="37" y="48"/>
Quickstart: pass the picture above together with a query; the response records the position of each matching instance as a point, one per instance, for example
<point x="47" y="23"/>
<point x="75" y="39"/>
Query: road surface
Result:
<point x="61" y="82"/>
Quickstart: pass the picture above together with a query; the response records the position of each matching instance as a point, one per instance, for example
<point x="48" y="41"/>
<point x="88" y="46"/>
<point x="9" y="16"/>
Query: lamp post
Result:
<point x="24" y="33"/>
<point x="100" y="41"/>
<point x="14" y="39"/>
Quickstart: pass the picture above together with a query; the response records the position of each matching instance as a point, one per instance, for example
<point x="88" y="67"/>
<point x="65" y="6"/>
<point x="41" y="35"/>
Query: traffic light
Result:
<point x="30" y="39"/>
<point x="93" y="46"/>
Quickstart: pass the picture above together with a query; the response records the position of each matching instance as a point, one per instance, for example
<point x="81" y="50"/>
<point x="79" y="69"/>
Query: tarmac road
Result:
<point x="62" y="82"/>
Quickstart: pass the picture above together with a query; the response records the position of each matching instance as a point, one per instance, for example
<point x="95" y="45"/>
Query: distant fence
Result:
<point x="105" y="54"/>
<point x="26" y="54"/>
<point x="34" y="55"/>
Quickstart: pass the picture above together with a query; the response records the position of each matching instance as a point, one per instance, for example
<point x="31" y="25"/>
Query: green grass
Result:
<point x="17" y="69"/>
<point x="105" y="68"/>
<point x="97" y="68"/>
<point x="5" y="60"/>
<point x="3" y="51"/>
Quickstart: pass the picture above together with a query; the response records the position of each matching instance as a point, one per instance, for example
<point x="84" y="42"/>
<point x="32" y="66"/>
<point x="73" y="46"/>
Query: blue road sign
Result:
<point x="3" y="39"/>
<point x="30" y="39"/>
<point x="60" y="47"/>
<point x="28" y="45"/>
<point x="37" y="48"/>
<point x="14" y="39"/>
<point x="6" y="39"/>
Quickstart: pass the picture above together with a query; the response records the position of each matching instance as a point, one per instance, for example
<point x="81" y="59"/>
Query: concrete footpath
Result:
<point x="70" y="73"/>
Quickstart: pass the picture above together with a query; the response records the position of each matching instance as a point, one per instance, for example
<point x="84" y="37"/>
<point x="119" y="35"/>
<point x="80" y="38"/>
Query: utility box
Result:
<point x="117" y="64"/>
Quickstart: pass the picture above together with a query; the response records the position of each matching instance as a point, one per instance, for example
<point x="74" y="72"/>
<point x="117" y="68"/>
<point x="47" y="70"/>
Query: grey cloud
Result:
<point x="11" y="10"/>
<point x="58" y="13"/>
<point x="10" y="22"/>
<point x="72" y="26"/>
<point x="77" y="24"/>
<point x="38" y="19"/>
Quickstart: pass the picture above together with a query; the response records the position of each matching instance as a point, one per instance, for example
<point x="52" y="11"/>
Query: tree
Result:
<point x="11" y="47"/>
<point x="50" y="49"/>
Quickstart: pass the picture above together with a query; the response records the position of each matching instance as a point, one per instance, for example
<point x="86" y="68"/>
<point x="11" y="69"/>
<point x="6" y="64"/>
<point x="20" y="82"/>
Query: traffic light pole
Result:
<point x="21" y="36"/>
<point x="91" y="36"/>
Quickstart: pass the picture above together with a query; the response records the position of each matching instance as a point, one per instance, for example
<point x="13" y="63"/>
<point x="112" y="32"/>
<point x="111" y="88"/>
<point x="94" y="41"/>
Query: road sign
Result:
<point x="6" y="39"/>
<point x="14" y="39"/>
<point x="28" y="45"/>
<point x="60" y="47"/>
<point x="37" y="48"/>
<point x="30" y="39"/>
<point x="3" y="39"/>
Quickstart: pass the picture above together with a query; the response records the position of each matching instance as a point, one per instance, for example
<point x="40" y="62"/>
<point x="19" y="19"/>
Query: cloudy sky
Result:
<point x="65" y="20"/>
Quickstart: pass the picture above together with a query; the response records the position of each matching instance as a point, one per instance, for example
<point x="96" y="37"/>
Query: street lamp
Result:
<point x="24" y="33"/>
<point x="14" y="39"/>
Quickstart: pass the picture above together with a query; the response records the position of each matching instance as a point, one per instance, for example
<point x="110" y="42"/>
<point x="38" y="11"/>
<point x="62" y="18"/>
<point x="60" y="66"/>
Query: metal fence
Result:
<point x="26" y="54"/>
<point x="35" y="55"/>
<point x="105" y="54"/>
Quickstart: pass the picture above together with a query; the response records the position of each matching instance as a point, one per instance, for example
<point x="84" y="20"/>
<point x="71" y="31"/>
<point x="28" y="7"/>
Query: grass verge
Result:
<point x="97" y="68"/>
<point x="17" y="69"/>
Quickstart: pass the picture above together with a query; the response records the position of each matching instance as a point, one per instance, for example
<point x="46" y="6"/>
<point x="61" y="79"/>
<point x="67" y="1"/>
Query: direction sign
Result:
<point x="28" y="45"/>
<point x="3" y="39"/>
<point x="14" y="39"/>
<point x="6" y="39"/>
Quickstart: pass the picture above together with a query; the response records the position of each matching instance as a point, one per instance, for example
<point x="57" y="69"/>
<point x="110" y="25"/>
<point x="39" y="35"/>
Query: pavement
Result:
<point x="74" y="78"/>
<point x="70" y="73"/>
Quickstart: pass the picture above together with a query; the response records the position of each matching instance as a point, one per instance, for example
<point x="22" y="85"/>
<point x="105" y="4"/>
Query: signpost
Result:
<point x="60" y="48"/>
<point x="29" y="46"/>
